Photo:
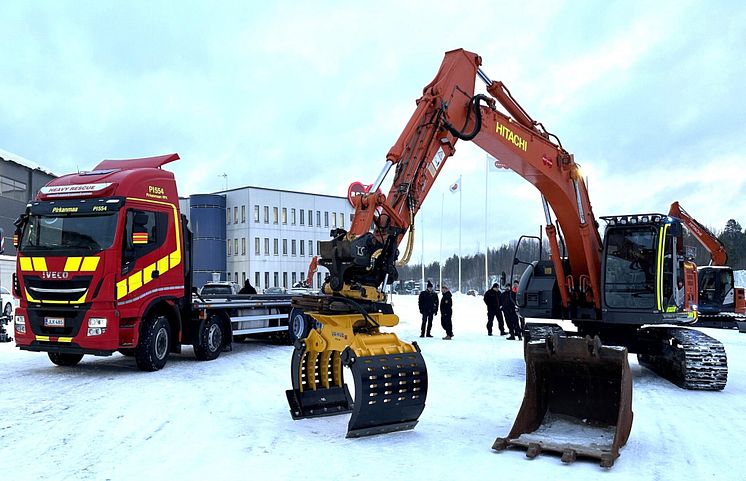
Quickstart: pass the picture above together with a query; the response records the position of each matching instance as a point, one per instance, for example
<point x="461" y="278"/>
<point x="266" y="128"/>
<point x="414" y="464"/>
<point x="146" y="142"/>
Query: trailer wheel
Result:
<point x="62" y="359"/>
<point x="152" y="351"/>
<point x="299" y="325"/>
<point x="210" y="340"/>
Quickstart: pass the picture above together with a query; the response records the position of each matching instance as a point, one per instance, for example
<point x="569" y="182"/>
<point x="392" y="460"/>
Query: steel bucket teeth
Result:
<point x="390" y="392"/>
<point x="577" y="402"/>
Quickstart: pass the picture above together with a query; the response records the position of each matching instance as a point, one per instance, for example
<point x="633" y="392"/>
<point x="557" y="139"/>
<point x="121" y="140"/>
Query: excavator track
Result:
<point x="686" y="357"/>
<point x="724" y="320"/>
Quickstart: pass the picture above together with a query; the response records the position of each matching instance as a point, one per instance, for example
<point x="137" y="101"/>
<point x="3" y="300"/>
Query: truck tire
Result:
<point x="210" y="339"/>
<point x="299" y="325"/>
<point x="62" y="359"/>
<point x="152" y="351"/>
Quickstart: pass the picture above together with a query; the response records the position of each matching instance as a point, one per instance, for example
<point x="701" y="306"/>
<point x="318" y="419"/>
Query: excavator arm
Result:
<point x="716" y="249"/>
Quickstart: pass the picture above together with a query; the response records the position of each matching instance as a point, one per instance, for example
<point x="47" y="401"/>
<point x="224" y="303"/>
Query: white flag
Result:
<point x="494" y="165"/>
<point x="456" y="186"/>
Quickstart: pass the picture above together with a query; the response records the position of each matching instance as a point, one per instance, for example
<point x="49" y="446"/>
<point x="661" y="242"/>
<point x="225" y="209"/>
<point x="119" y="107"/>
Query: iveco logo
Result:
<point x="55" y="275"/>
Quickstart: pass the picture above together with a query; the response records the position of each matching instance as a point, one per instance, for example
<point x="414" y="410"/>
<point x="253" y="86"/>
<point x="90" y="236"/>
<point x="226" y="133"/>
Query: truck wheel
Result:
<point x="210" y="340"/>
<point x="62" y="359"/>
<point x="299" y="325"/>
<point x="152" y="351"/>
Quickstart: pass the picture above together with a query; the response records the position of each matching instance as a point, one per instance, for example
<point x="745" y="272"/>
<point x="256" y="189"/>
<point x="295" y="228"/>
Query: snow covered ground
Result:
<point x="228" y="419"/>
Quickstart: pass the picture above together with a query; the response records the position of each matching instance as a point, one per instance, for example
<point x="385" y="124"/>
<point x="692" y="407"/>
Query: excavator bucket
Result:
<point x="390" y="389"/>
<point x="577" y="402"/>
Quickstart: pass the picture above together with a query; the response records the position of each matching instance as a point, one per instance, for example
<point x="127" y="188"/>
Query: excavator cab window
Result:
<point x="630" y="279"/>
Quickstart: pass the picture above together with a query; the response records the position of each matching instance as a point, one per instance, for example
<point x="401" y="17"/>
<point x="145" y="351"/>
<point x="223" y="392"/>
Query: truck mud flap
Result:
<point x="390" y="392"/>
<point x="324" y="393"/>
<point x="577" y="401"/>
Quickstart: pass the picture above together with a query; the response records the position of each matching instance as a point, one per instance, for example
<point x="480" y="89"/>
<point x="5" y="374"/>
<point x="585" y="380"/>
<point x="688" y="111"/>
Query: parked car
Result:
<point x="8" y="303"/>
<point x="221" y="288"/>
<point x="275" y="290"/>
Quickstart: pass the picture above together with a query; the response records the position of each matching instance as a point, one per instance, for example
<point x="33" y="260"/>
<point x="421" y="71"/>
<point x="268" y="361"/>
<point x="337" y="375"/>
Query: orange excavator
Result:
<point x="578" y="386"/>
<point x="721" y="303"/>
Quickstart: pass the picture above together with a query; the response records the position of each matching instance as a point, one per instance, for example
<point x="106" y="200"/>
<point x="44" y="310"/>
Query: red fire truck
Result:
<point x="104" y="265"/>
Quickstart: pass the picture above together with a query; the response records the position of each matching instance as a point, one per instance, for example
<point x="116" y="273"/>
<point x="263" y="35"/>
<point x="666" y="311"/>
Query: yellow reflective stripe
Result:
<point x="25" y="263"/>
<point x="121" y="288"/>
<point x="72" y="264"/>
<point x="82" y="298"/>
<point x="40" y="263"/>
<point x="89" y="264"/>
<point x="134" y="281"/>
<point x="42" y="338"/>
<point x="64" y="339"/>
<point x="162" y="265"/>
<point x="29" y="298"/>
<point x="174" y="259"/>
<point x="54" y="302"/>
<point x="147" y="273"/>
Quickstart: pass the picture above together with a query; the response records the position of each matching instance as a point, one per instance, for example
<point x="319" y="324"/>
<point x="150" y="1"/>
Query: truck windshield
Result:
<point x="68" y="235"/>
<point x="630" y="273"/>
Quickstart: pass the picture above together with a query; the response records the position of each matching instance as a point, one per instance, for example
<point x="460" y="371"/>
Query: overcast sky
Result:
<point x="310" y="95"/>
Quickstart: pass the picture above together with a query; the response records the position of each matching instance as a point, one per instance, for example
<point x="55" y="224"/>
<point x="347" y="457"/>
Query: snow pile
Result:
<point x="229" y="419"/>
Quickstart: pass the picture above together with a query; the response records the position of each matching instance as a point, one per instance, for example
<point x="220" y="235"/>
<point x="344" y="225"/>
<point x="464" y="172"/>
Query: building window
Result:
<point x="318" y="218"/>
<point x="277" y="279"/>
<point x="256" y="213"/>
<point x="302" y="217"/>
<point x="326" y="219"/>
<point x="243" y="278"/>
<point x="243" y="249"/>
<point x="284" y="279"/>
<point x="318" y="246"/>
<point x="275" y="213"/>
<point x="12" y="189"/>
<point x="227" y="215"/>
<point x="256" y="279"/>
<point x="310" y="218"/>
<point x="235" y="215"/>
<point x="266" y="280"/>
<point x="266" y="214"/>
<point x="292" y="247"/>
<point x="295" y="279"/>
<point x="235" y="277"/>
<point x="334" y="219"/>
<point x="302" y="247"/>
<point x="284" y="247"/>
<point x="277" y="247"/>
<point x="318" y="279"/>
<point x="266" y="246"/>
<point x="235" y="247"/>
<point x="310" y="248"/>
<point x="243" y="214"/>
<point x="284" y="215"/>
<point x="351" y="215"/>
<point x="292" y="216"/>
<point x="228" y="247"/>
<point x="257" y="246"/>
<point x="341" y="220"/>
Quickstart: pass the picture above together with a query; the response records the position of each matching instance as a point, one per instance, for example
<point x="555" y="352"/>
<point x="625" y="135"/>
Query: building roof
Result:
<point x="277" y="190"/>
<point x="11" y="157"/>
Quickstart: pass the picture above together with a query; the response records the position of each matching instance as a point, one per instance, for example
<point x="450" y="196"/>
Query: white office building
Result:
<point x="271" y="235"/>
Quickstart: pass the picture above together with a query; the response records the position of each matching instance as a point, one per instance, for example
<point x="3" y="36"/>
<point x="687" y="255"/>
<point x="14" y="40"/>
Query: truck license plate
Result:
<point x="54" y="321"/>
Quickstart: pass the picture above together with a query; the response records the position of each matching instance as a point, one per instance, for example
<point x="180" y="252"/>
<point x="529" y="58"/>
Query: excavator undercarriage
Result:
<point x="390" y="375"/>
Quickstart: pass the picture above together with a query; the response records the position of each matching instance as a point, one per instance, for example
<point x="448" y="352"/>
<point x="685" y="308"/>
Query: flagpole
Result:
<point x="440" y="254"/>
<point x="486" y="246"/>
<point x="460" y="191"/>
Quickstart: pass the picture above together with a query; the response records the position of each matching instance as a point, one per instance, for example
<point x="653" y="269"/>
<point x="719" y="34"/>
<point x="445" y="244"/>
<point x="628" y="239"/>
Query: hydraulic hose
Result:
<point x="473" y="105"/>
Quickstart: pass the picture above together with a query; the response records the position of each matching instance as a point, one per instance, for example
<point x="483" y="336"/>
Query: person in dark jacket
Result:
<point x="507" y="304"/>
<point x="247" y="288"/>
<point x="492" y="299"/>
<point x="428" y="303"/>
<point x="446" y="312"/>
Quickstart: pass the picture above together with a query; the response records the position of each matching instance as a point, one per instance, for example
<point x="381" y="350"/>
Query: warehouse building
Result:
<point x="268" y="236"/>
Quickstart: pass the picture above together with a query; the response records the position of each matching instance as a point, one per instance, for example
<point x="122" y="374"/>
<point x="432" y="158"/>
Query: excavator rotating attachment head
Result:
<point x="577" y="402"/>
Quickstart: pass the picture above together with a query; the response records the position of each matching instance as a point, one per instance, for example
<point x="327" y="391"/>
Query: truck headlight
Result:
<point x="97" y="322"/>
<point x="20" y="322"/>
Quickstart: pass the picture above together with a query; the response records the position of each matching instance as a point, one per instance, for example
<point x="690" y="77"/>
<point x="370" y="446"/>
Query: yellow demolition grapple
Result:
<point x="390" y="375"/>
<point x="577" y="403"/>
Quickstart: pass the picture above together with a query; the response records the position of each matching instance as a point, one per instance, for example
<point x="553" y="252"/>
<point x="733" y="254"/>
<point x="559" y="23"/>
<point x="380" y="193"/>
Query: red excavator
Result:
<point x="721" y="303"/>
<point x="578" y="387"/>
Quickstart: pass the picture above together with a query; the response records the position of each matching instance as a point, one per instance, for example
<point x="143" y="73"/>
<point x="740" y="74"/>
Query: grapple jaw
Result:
<point x="329" y="394"/>
<point x="577" y="402"/>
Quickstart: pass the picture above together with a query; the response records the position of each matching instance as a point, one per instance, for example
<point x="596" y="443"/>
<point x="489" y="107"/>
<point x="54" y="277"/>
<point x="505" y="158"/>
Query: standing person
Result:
<point x="247" y="288"/>
<point x="446" y="312"/>
<point x="492" y="299"/>
<point x="507" y="303"/>
<point x="428" y="303"/>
